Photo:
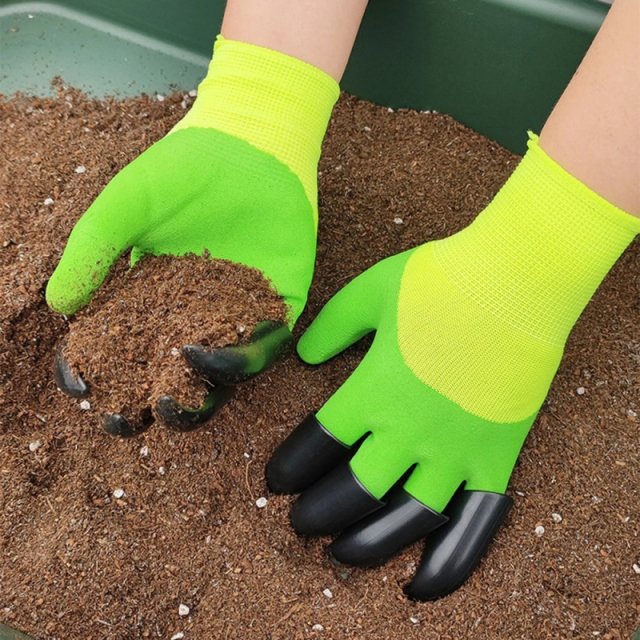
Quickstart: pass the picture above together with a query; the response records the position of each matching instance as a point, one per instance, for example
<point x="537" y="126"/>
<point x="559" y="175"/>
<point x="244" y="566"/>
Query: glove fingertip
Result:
<point x="83" y="267"/>
<point x="308" y="351"/>
<point x="58" y="298"/>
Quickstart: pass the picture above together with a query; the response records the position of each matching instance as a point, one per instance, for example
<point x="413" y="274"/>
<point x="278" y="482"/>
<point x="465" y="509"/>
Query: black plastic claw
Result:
<point x="66" y="380"/>
<point x="307" y="454"/>
<point x="118" y="425"/>
<point x="332" y="504"/>
<point x="233" y="364"/>
<point x="180" y="418"/>
<point x="454" y="550"/>
<point x="373" y="540"/>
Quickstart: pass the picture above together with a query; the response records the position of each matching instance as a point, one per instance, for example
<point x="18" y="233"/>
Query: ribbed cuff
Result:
<point x="538" y="252"/>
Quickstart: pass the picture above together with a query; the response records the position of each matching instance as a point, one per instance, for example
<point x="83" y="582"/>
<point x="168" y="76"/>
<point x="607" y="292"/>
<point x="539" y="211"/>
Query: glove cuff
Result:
<point x="536" y="255"/>
<point x="277" y="103"/>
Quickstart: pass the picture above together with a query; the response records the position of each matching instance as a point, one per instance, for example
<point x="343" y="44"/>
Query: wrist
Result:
<point x="277" y="103"/>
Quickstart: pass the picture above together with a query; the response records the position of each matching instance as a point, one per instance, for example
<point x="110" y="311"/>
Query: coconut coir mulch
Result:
<point x="78" y="562"/>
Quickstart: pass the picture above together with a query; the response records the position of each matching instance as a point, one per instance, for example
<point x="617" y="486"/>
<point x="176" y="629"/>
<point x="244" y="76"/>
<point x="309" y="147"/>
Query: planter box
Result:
<point x="496" y="65"/>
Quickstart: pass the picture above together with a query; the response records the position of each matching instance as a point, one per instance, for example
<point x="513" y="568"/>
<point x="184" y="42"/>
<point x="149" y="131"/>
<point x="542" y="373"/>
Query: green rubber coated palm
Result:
<point x="235" y="179"/>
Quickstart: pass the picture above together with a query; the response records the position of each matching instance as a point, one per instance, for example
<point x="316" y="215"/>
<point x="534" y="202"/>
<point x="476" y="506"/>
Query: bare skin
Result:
<point x="594" y="130"/>
<point x="320" y="33"/>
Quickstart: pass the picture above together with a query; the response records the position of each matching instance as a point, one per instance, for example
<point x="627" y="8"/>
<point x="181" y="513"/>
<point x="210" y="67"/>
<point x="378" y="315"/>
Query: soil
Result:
<point x="102" y="538"/>
<point x="126" y="343"/>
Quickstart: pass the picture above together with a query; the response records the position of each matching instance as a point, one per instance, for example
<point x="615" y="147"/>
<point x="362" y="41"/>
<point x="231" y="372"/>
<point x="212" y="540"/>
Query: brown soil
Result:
<point x="126" y="343"/>
<point x="77" y="562"/>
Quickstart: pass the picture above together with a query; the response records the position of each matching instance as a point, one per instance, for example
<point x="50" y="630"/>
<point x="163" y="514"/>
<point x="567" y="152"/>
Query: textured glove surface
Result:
<point x="236" y="178"/>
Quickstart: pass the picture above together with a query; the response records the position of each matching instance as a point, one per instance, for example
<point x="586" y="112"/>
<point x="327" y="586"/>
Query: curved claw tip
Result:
<point x="190" y="350"/>
<point x="455" y="549"/>
<point x="236" y="363"/>
<point x="373" y="540"/>
<point x="117" y="425"/>
<point x="306" y="455"/>
<point x="332" y="559"/>
<point x="181" y="418"/>
<point x="426" y="594"/>
<point x="332" y="504"/>
<point x="66" y="379"/>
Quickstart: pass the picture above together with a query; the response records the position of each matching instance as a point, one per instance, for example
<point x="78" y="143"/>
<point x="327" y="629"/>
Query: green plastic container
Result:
<point x="7" y="633"/>
<point x="496" y="65"/>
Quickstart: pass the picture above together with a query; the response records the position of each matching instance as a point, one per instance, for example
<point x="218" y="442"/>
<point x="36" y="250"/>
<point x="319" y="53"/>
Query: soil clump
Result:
<point x="126" y="344"/>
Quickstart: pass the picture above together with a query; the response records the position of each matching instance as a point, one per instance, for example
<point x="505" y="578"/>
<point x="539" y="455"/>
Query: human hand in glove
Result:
<point x="236" y="179"/>
<point x="422" y="438"/>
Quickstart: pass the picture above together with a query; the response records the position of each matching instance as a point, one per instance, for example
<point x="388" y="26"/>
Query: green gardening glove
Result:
<point x="469" y="332"/>
<point x="236" y="179"/>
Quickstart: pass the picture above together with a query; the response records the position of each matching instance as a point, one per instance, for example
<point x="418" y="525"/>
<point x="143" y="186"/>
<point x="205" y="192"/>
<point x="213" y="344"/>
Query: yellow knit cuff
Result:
<point x="537" y="253"/>
<point x="277" y="103"/>
<point x="504" y="293"/>
<point x="580" y="190"/>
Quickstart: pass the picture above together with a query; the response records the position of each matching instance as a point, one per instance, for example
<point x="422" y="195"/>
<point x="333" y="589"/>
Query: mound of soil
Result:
<point x="126" y="343"/>
<point x="102" y="538"/>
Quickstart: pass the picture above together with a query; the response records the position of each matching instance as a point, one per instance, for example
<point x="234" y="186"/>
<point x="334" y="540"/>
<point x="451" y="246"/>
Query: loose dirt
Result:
<point x="126" y="343"/>
<point x="106" y="538"/>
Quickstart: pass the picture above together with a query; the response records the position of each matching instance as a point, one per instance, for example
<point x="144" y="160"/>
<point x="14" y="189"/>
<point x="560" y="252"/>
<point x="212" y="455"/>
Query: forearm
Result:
<point x="320" y="33"/>
<point x="594" y="131"/>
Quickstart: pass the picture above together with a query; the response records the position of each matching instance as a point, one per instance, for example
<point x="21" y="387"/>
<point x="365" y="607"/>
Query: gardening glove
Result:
<point x="469" y="333"/>
<point x="235" y="179"/>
